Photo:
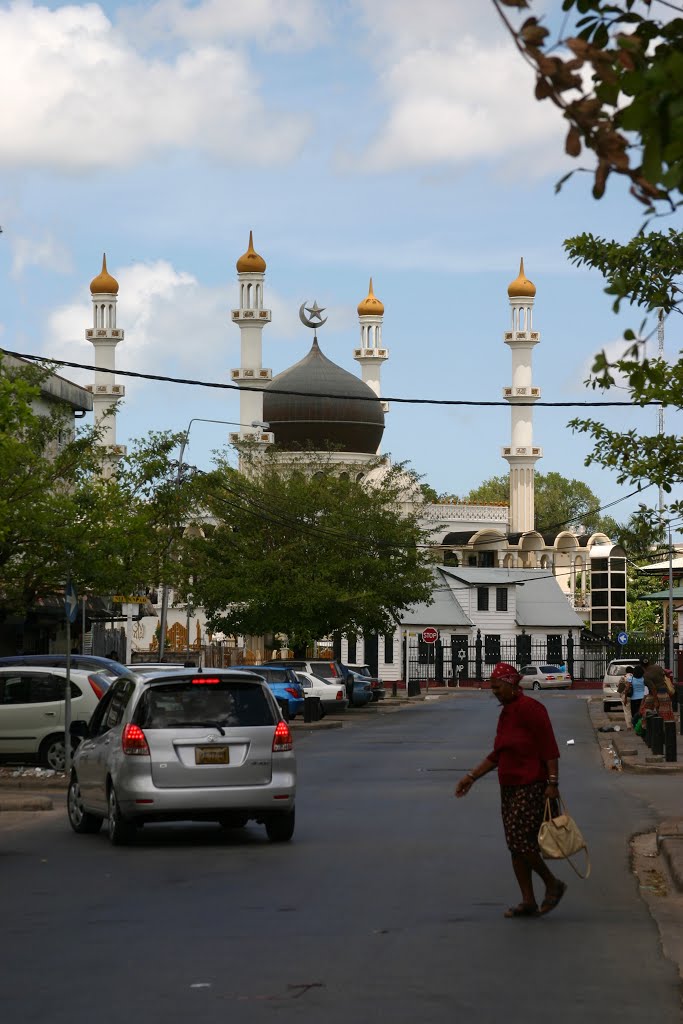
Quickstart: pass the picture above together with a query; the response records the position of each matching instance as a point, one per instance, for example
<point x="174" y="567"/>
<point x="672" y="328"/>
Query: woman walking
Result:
<point x="526" y="756"/>
<point x="637" y="691"/>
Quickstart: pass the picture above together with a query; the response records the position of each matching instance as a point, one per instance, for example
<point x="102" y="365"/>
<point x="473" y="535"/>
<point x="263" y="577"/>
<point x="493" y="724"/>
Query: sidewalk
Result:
<point x="626" y="751"/>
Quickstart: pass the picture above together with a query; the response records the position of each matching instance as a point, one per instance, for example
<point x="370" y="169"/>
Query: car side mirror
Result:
<point x="79" y="729"/>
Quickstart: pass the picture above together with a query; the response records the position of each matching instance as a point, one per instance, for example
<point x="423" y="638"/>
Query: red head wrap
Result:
<point x="506" y="673"/>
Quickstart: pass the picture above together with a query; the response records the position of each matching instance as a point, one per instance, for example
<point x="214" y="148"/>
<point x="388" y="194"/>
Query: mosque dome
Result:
<point x="521" y="286"/>
<point x="251" y="262"/>
<point x="327" y="414"/>
<point x="104" y="283"/>
<point x="371" y="305"/>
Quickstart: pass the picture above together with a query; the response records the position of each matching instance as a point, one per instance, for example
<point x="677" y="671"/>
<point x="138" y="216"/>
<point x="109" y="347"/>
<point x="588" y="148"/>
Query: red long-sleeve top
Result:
<point x="524" y="743"/>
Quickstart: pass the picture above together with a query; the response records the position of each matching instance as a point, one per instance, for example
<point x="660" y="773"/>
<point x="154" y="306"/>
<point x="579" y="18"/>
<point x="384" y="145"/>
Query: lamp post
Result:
<point x="256" y="424"/>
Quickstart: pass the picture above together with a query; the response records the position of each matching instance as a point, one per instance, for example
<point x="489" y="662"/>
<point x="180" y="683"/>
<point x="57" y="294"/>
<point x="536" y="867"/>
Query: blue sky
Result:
<point x="356" y="138"/>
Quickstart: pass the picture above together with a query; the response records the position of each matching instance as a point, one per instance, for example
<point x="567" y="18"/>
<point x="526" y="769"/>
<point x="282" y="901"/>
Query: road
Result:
<point x="388" y="903"/>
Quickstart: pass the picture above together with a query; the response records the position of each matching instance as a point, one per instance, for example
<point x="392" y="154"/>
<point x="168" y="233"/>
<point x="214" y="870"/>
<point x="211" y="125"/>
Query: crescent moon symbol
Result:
<point x="306" y="322"/>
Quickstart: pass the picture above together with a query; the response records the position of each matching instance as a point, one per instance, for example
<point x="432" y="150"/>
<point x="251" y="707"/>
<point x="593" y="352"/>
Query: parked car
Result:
<point x="84" y="661"/>
<point x="32" y="709"/>
<point x="378" y="690"/>
<point x="359" y="690"/>
<point x="545" y="677"/>
<point x="614" y="673"/>
<point x="283" y="681"/>
<point x="318" y="667"/>
<point x="184" y="745"/>
<point x="332" y="695"/>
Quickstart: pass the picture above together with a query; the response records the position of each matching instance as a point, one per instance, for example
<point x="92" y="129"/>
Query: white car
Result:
<point x="32" y="709"/>
<point x="545" y="677"/>
<point x="615" y="672"/>
<point x="332" y="694"/>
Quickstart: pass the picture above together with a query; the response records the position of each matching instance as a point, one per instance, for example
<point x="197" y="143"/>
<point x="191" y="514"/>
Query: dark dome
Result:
<point x="340" y="422"/>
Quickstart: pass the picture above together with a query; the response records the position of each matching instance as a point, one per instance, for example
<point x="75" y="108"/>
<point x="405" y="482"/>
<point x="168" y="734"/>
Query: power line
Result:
<point x="308" y="394"/>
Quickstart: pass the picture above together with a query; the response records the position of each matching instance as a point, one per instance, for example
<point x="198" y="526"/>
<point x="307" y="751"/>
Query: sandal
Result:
<point x="549" y="903"/>
<point x="522" y="910"/>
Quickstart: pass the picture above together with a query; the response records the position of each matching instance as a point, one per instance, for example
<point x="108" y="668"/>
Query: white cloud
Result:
<point x="455" y="91"/>
<point x="46" y="252"/>
<point x="280" y="24"/>
<point x="461" y="104"/>
<point x="83" y="97"/>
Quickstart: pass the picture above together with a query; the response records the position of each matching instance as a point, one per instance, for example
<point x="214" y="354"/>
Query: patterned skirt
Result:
<point x="522" y="809"/>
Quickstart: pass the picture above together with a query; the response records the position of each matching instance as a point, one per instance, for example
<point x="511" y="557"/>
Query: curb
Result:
<point x="314" y="726"/>
<point x="632" y="751"/>
<point x="25" y="803"/>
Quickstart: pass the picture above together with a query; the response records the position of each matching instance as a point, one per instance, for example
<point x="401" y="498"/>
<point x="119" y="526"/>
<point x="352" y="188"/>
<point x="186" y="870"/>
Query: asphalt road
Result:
<point x="386" y="906"/>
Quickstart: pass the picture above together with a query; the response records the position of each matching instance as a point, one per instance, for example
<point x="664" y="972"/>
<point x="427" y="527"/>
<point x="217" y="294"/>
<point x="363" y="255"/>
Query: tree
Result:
<point x="559" y="503"/>
<point x="59" y="517"/>
<point x="617" y="77"/>
<point x="305" y="551"/>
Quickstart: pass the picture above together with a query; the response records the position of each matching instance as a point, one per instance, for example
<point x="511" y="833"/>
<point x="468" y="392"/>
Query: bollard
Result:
<point x="312" y="709"/>
<point x="656" y="728"/>
<point x="284" y="707"/>
<point x="394" y="690"/>
<point x="670" y="753"/>
<point x="413" y="687"/>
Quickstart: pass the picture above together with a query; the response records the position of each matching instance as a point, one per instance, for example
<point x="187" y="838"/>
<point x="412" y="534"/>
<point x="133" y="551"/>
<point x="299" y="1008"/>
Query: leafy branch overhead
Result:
<point x="617" y="77"/>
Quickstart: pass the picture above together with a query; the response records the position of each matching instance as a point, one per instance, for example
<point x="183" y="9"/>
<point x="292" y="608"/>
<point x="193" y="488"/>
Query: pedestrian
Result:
<point x="624" y="690"/>
<point x="637" y="691"/>
<point x="526" y="756"/>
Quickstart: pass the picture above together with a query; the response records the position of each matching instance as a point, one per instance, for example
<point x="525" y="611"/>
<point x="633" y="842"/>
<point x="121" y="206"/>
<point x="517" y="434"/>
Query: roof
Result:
<point x="676" y="563"/>
<point x="663" y="595"/>
<point x="539" y="598"/>
<point x="445" y="610"/>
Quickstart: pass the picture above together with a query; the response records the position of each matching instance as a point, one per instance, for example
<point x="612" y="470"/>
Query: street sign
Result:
<point x="70" y="602"/>
<point x="430" y="635"/>
<point x="622" y="638"/>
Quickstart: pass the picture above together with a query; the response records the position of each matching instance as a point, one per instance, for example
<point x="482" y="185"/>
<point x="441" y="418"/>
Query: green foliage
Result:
<point x="59" y="517"/>
<point x="302" y="551"/>
<point x="617" y="78"/>
<point x="559" y="502"/>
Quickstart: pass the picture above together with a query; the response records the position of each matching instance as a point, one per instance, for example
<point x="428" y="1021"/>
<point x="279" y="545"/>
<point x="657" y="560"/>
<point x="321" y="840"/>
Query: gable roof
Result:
<point x="445" y="610"/>
<point x="539" y="600"/>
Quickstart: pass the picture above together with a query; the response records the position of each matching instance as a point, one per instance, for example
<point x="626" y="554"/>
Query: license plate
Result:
<point x="211" y="755"/>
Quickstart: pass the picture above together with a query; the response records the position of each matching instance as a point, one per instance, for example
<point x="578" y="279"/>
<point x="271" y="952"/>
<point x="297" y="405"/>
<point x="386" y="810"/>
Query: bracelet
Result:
<point x="469" y="775"/>
<point x="553" y="782"/>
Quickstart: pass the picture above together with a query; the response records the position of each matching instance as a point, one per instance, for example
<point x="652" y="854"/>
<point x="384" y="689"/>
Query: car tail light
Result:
<point x="134" y="740"/>
<point x="340" y="695"/>
<point x="293" y="691"/>
<point x="205" y="681"/>
<point x="282" y="740"/>
<point x="97" y="687"/>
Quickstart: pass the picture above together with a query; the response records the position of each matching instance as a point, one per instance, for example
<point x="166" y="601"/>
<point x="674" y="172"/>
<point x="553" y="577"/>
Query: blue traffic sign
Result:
<point x="70" y="602"/>
<point x="622" y="638"/>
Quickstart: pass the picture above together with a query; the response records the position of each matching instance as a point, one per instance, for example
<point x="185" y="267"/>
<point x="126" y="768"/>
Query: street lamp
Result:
<point x="256" y="424"/>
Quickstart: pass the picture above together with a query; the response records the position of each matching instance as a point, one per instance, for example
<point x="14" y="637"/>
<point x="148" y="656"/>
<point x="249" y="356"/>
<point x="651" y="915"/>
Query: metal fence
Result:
<point x="457" y="659"/>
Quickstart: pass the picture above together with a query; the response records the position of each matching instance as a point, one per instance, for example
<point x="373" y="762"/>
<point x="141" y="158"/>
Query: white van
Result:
<point x="615" y="672"/>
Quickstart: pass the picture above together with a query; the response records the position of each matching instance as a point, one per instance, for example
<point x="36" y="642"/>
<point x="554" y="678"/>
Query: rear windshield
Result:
<point x="618" y="670"/>
<point x="277" y="675"/>
<point x="551" y="668"/>
<point x="184" y="704"/>
<point x="324" y="669"/>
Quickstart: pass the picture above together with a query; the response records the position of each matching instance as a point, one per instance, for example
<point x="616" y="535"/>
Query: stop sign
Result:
<point x="430" y="635"/>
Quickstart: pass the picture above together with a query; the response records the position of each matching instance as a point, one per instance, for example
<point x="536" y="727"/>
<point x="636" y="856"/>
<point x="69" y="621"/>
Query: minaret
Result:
<point x="251" y="318"/>
<point x="105" y="336"/>
<point x="371" y="353"/>
<point x="522" y="453"/>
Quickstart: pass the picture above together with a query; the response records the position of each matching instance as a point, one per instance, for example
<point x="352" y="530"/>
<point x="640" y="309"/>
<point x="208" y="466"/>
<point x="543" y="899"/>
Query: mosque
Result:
<point x="490" y="554"/>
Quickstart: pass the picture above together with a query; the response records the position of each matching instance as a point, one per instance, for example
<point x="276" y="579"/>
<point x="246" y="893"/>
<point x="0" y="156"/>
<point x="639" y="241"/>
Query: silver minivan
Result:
<point x="184" y="745"/>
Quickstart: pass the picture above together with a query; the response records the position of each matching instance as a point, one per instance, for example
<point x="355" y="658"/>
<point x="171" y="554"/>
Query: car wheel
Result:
<point x="536" y="686"/>
<point x="80" y="820"/>
<point x="52" y="752"/>
<point x="233" y="820"/>
<point x="280" y="827"/>
<point x="120" y="830"/>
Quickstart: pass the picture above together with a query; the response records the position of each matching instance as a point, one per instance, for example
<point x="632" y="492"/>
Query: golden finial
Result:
<point x="251" y="262"/>
<point x="104" y="283"/>
<point x="521" y="286"/>
<point x="371" y="305"/>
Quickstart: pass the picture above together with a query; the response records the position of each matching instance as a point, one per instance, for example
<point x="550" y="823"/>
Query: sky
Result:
<point x="356" y="138"/>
